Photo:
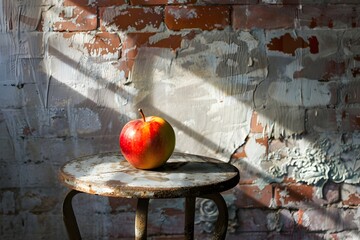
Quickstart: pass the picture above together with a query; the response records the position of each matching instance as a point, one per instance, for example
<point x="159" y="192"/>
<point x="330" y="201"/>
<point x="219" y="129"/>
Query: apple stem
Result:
<point x="142" y="114"/>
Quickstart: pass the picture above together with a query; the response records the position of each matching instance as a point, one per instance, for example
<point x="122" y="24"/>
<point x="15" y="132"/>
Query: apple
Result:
<point x="147" y="143"/>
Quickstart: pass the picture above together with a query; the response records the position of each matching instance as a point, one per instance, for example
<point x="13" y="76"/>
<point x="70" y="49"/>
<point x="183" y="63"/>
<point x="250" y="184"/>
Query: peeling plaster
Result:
<point x="318" y="160"/>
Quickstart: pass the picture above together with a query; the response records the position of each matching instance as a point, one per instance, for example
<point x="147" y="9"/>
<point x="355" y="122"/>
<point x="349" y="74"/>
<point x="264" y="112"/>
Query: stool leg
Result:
<point x="69" y="217"/>
<point x="141" y="219"/>
<point x="189" y="218"/>
<point x="223" y="218"/>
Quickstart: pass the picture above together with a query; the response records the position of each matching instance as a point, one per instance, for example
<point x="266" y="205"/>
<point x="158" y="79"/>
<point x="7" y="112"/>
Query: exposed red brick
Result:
<point x="350" y="195"/>
<point x="134" y="41"/>
<point x="240" y="153"/>
<point x="350" y="119"/>
<point x="287" y="44"/>
<point x="249" y="196"/>
<point x="103" y="44"/>
<point x="263" y="16"/>
<point x="304" y="196"/>
<point x="82" y="19"/>
<point x="132" y="18"/>
<point x="328" y="16"/>
<point x="255" y="126"/>
<point x="125" y="66"/>
<point x="173" y="42"/>
<point x="293" y="193"/>
<point x="198" y="17"/>
<point x="313" y="44"/>
<point x="352" y="200"/>
<point x="161" y="2"/>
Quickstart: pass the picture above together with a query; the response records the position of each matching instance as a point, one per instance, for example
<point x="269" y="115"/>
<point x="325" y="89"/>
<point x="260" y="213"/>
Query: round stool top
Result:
<point x="183" y="175"/>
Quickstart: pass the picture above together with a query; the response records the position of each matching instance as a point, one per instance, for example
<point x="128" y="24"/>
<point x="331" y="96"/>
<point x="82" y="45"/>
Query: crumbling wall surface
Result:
<point x="271" y="86"/>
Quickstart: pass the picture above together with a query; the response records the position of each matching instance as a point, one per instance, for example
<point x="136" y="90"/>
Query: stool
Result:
<point x="183" y="176"/>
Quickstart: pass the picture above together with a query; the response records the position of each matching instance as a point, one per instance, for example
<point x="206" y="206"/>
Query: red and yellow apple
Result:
<point x="147" y="143"/>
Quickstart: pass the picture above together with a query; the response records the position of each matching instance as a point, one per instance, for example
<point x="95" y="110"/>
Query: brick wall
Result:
<point x="271" y="86"/>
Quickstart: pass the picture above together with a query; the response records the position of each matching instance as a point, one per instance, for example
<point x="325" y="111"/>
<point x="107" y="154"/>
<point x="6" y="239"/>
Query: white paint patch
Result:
<point x="306" y="93"/>
<point x="194" y="94"/>
<point x="255" y="151"/>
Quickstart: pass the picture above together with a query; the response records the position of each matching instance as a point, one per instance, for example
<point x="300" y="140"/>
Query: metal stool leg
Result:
<point x="223" y="218"/>
<point x="141" y="219"/>
<point x="189" y="218"/>
<point x="69" y="217"/>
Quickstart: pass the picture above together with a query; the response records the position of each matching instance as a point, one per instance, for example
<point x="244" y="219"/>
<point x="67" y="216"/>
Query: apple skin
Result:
<point x="147" y="143"/>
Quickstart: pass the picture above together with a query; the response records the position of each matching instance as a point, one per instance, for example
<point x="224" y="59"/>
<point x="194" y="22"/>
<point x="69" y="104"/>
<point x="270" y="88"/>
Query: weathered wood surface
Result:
<point x="183" y="175"/>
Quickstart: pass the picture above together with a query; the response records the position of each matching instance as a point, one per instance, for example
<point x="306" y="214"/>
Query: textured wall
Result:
<point x="272" y="86"/>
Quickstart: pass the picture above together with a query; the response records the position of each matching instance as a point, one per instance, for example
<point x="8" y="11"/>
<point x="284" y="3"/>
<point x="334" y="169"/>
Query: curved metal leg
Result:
<point x="141" y="219"/>
<point x="69" y="217"/>
<point x="223" y="217"/>
<point x="189" y="218"/>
